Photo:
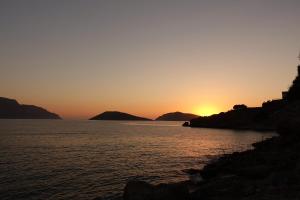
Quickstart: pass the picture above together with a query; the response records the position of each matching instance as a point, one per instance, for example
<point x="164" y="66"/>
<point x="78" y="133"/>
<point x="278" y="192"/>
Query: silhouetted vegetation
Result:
<point x="240" y="107"/>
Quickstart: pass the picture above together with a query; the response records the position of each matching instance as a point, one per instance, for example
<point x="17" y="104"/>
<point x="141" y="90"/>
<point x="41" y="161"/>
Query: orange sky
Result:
<point x="79" y="59"/>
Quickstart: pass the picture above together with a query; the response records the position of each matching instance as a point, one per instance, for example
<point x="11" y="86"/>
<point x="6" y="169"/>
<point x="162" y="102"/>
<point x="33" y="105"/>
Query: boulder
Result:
<point x="140" y="190"/>
<point x="186" y="124"/>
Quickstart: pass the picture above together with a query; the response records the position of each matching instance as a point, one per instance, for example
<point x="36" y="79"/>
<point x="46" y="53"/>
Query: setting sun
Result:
<point x="206" y="110"/>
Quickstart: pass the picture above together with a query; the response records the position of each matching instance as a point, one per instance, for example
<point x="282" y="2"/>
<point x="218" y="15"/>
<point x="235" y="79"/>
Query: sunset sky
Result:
<point x="80" y="58"/>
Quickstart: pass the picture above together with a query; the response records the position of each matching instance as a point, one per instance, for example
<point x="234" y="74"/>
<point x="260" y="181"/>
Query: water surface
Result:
<point x="60" y="159"/>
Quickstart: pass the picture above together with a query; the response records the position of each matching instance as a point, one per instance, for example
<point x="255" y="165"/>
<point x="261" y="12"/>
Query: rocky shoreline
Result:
<point x="270" y="171"/>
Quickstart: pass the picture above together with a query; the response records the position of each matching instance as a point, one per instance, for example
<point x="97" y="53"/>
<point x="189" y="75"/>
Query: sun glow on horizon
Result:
<point x="206" y="110"/>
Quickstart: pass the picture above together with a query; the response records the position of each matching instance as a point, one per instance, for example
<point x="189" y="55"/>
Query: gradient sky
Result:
<point x="80" y="58"/>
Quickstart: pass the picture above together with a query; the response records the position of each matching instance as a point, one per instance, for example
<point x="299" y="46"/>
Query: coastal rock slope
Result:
<point x="115" y="115"/>
<point x="11" y="109"/>
<point x="176" y="116"/>
<point x="244" y="118"/>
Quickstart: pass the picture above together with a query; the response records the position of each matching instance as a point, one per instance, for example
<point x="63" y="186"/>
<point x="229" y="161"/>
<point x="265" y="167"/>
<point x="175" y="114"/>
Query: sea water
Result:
<point x="61" y="159"/>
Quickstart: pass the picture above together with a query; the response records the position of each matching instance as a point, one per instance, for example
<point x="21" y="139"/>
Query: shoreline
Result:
<point x="269" y="171"/>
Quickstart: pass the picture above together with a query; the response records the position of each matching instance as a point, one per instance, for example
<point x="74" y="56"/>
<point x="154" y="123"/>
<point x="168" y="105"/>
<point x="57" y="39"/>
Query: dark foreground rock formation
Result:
<point x="114" y="115"/>
<point x="11" y="109"/>
<point x="177" y="116"/>
<point x="271" y="171"/>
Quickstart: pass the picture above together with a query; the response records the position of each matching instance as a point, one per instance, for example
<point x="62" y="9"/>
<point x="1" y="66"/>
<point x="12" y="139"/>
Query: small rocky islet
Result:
<point x="270" y="171"/>
<point x="176" y="116"/>
<point x="116" y="115"/>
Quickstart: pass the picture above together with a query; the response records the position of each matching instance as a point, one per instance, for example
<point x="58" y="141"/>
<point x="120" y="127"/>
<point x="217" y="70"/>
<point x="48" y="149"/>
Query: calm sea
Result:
<point x="60" y="159"/>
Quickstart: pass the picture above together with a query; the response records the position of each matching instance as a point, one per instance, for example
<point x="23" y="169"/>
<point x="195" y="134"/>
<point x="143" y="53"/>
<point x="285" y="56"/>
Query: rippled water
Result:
<point x="59" y="159"/>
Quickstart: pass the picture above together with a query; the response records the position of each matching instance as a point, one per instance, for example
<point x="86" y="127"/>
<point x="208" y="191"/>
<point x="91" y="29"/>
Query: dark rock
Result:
<point x="171" y="191"/>
<point x="222" y="188"/>
<point x="194" y="175"/>
<point x="255" y="172"/>
<point x="240" y="107"/>
<point x="98" y="198"/>
<point x="289" y="126"/>
<point x="186" y="124"/>
<point x="115" y="115"/>
<point x="140" y="190"/>
<point x="191" y="171"/>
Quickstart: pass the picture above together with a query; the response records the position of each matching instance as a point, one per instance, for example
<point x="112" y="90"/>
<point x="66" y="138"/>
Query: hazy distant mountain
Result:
<point x="115" y="115"/>
<point x="11" y="109"/>
<point x="177" y="116"/>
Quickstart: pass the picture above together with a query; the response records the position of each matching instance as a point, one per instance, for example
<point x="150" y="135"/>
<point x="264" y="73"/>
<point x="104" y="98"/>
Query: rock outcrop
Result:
<point x="140" y="190"/>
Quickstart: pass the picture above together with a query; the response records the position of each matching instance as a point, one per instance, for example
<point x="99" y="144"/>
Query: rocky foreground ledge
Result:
<point x="270" y="171"/>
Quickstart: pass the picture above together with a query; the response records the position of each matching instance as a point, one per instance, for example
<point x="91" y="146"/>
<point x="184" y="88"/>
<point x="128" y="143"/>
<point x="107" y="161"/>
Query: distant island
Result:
<point x="115" y="115"/>
<point x="11" y="109"/>
<point x="176" y="116"/>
